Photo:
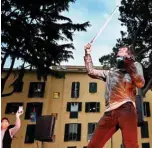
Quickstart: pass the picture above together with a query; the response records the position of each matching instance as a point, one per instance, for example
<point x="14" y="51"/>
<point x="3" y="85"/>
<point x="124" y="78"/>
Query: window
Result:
<point x="92" y="87"/>
<point x="33" y="106"/>
<point x="19" y="87"/>
<point x="12" y="107"/>
<point x="122" y="146"/>
<point x="36" y="89"/>
<point x="145" y="145"/>
<point x="92" y="107"/>
<point x="74" y="108"/>
<point x="56" y="95"/>
<point x="146" y="109"/>
<point x="91" y="128"/>
<point x="75" y="89"/>
<point x="144" y="130"/>
<point x="72" y="132"/>
<point x="30" y="134"/>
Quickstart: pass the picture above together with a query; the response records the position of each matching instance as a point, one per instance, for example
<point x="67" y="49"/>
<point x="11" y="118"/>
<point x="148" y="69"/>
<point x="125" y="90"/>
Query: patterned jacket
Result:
<point x="120" y="86"/>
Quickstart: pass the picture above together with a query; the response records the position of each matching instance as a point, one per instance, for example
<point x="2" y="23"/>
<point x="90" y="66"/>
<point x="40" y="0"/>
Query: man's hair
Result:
<point x="5" y="118"/>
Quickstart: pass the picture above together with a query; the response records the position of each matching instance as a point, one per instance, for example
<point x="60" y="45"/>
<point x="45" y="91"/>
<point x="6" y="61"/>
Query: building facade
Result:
<point x="77" y="102"/>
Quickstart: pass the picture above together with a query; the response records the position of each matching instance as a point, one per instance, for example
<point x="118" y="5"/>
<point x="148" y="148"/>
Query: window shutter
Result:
<point x="75" y="89"/>
<point x="29" y="107"/>
<point x="78" y="89"/>
<point x="19" y="87"/>
<point x="89" y="128"/>
<point x="43" y="89"/>
<point x="145" y="130"/>
<point x="92" y="87"/>
<point x="30" y="90"/>
<point x="66" y="132"/>
<point x="98" y="106"/>
<point x="68" y="106"/>
<point x="86" y="107"/>
<point x="30" y="134"/>
<point x="80" y="106"/>
<point x="73" y="114"/>
<point x="38" y="108"/>
<point x="94" y="127"/>
<point x="72" y="89"/>
<point x="122" y="146"/>
<point x="145" y="145"/>
<point x="146" y="109"/>
<point x="79" y="132"/>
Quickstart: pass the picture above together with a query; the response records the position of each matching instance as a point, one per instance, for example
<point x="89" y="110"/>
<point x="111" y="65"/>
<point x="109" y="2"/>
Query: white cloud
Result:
<point x="106" y="41"/>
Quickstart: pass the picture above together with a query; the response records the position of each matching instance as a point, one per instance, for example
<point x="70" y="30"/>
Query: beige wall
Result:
<point x="58" y="106"/>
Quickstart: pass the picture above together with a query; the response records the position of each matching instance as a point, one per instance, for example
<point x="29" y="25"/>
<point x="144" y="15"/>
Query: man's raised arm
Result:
<point x="17" y="124"/>
<point x="94" y="73"/>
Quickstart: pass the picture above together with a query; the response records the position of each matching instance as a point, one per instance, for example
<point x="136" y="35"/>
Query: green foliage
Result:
<point x="136" y="15"/>
<point x="32" y="31"/>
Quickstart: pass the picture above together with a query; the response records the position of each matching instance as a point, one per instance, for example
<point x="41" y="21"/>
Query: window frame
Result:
<point x="75" y="89"/>
<point x="145" y="130"/>
<point x="90" y="90"/>
<point x="146" y="107"/>
<point x="144" y="145"/>
<point x="35" y="105"/>
<point x="40" y="94"/>
<point x="29" y="135"/>
<point x="97" y="107"/>
<point x="71" y="135"/>
<point x="89" y="134"/>
<point x="8" y="106"/>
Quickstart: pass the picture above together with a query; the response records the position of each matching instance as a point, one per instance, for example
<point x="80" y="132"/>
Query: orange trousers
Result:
<point x="123" y="118"/>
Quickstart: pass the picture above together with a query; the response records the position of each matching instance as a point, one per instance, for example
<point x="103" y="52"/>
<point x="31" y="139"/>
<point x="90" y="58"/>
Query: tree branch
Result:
<point x="144" y="50"/>
<point x="135" y="37"/>
<point x="7" y="94"/>
<point x="3" y="61"/>
<point x="3" y="80"/>
<point x="10" y="69"/>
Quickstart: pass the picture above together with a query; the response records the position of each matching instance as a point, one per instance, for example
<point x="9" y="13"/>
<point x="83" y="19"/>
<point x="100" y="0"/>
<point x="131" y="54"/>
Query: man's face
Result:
<point x="123" y="52"/>
<point x="4" y="124"/>
<point x="121" y="55"/>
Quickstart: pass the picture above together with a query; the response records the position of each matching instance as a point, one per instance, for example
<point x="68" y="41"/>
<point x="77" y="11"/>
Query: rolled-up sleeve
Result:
<point x="94" y="73"/>
<point x="136" y="73"/>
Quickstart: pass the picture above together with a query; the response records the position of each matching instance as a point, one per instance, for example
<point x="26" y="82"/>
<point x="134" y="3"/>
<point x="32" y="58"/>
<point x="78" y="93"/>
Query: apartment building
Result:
<point x="77" y="101"/>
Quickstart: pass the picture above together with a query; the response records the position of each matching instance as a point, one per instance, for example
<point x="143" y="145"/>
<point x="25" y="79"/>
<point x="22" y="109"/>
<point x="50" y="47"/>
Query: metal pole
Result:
<point x="103" y="27"/>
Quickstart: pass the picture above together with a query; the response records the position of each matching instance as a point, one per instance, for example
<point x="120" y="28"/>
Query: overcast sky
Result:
<point x="96" y="12"/>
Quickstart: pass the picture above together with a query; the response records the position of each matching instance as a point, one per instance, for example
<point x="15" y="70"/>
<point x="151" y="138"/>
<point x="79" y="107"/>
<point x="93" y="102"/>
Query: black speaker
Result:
<point x="44" y="130"/>
<point x="140" y="111"/>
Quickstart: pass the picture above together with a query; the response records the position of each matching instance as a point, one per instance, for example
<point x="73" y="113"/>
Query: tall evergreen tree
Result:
<point x="31" y="31"/>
